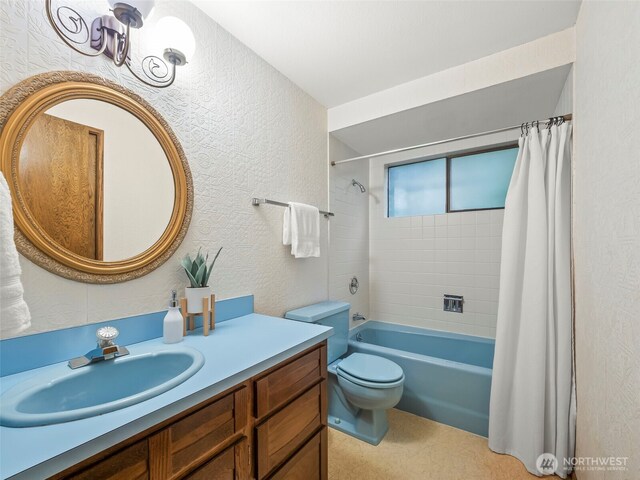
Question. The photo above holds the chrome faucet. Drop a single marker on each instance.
(358, 316)
(105, 350)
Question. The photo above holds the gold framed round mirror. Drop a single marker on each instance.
(101, 188)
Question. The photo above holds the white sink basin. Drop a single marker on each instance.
(61, 395)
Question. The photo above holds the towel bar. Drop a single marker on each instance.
(258, 201)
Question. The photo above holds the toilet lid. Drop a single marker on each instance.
(371, 368)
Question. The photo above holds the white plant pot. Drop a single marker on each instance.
(194, 298)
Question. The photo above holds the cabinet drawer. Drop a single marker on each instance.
(284, 432)
(231, 464)
(309, 463)
(128, 464)
(280, 386)
(196, 437)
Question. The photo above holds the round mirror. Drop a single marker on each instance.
(100, 187)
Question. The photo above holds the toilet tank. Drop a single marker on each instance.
(331, 314)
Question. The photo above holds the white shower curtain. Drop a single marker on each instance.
(532, 391)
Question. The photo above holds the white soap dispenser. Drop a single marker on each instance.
(173, 322)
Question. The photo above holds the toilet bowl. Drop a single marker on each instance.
(370, 382)
(361, 387)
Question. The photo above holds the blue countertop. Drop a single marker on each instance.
(235, 351)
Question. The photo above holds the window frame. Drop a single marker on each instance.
(447, 158)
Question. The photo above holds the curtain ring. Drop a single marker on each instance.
(549, 123)
(522, 129)
(538, 125)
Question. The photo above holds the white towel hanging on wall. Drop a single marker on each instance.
(301, 230)
(14, 312)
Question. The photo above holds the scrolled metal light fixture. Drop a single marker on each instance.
(110, 35)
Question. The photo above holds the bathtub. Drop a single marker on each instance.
(447, 375)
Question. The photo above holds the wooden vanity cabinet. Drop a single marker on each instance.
(131, 462)
(272, 426)
(290, 409)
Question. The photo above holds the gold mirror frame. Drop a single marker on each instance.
(19, 107)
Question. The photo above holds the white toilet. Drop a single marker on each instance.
(361, 387)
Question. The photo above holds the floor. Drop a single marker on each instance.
(419, 449)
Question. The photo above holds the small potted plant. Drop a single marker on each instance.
(198, 273)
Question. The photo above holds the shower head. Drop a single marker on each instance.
(354, 182)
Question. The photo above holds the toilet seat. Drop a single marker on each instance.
(370, 371)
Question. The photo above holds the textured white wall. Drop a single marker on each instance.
(607, 234)
(349, 228)
(246, 130)
(416, 260)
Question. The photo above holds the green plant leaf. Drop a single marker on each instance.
(208, 274)
(216, 257)
(197, 269)
(187, 265)
(200, 275)
(195, 265)
(192, 280)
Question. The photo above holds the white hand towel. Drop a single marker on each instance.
(301, 230)
(286, 227)
(14, 312)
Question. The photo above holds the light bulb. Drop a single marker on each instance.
(173, 33)
(143, 6)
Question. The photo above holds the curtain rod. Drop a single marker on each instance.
(566, 118)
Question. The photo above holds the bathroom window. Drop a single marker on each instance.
(418, 188)
(456, 183)
(480, 181)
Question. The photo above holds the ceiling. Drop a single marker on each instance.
(529, 98)
(339, 51)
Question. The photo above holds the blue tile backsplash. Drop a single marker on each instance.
(34, 351)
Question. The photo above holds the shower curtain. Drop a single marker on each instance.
(532, 391)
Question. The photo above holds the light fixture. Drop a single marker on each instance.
(173, 31)
(110, 35)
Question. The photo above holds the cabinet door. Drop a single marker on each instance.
(197, 437)
(128, 464)
(231, 464)
(283, 433)
(285, 383)
(309, 463)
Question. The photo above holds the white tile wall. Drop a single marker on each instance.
(416, 260)
(246, 130)
(349, 229)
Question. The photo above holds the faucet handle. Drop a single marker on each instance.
(106, 336)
